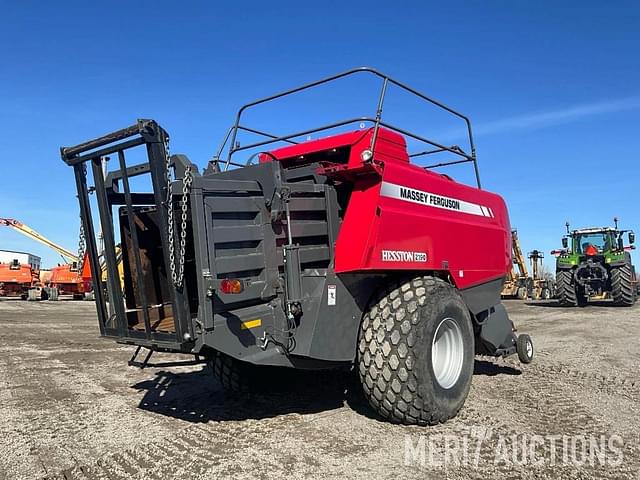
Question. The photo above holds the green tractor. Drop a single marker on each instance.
(596, 265)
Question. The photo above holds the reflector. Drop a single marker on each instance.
(232, 285)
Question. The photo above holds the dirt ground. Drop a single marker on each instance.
(70, 407)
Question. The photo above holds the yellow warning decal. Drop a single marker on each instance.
(251, 324)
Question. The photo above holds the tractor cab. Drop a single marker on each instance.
(592, 242)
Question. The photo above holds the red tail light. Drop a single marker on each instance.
(231, 285)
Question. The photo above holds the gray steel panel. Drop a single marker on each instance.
(303, 204)
(310, 228)
(235, 233)
(482, 297)
(253, 261)
(235, 204)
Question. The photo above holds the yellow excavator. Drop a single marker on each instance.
(517, 284)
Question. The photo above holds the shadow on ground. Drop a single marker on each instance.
(556, 304)
(490, 369)
(196, 396)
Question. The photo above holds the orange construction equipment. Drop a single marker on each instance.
(16, 279)
(71, 278)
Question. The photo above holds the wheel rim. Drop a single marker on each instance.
(529, 349)
(447, 353)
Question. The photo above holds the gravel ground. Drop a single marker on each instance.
(71, 408)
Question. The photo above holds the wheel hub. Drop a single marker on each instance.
(447, 353)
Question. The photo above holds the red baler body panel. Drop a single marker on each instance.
(403, 217)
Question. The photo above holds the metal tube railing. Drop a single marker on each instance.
(377, 121)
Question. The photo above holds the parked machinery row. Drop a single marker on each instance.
(593, 264)
(21, 280)
(519, 283)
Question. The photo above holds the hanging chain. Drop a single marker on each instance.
(177, 273)
(186, 186)
(82, 245)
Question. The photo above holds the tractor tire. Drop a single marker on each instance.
(522, 293)
(546, 294)
(622, 288)
(416, 352)
(566, 290)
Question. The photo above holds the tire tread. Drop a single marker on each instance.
(567, 294)
(385, 359)
(622, 285)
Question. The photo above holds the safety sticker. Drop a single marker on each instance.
(331, 294)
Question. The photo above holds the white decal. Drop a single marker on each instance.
(403, 256)
(331, 294)
(433, 200)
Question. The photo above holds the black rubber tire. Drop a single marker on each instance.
(240, 377)
(521, 348)
(394, 352)
(546, 294)
(566, 290)
(622, 285)
(234, 376)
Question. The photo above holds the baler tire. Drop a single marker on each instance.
(395, 362)
(622, 285)
(234, 376)
(566, 291)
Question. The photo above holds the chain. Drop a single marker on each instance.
(186, 185)
(82, 245)
(177, 273)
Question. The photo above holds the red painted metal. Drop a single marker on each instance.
(441, 225)
(70, 281)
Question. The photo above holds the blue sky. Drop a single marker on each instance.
(553, 89)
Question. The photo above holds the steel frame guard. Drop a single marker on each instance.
(151, 135)
(377, 121)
